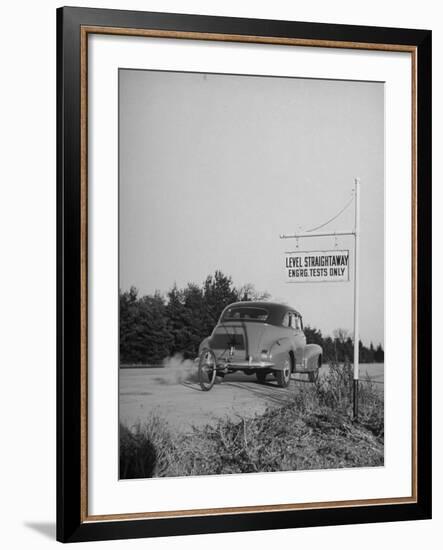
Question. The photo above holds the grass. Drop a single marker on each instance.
(312, 431)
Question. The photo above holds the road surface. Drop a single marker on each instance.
(182, 403)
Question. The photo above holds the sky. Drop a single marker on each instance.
(213, 168)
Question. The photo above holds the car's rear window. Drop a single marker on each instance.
(245, 313)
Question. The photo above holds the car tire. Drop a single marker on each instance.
(313, 374)
(207, 369)
(284, 375)
(261, 376)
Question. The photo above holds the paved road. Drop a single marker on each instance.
(182, 403)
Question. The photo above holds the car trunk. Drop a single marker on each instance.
(243, 338)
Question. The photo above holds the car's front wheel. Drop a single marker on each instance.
(313, 374)
(284, 375)
(261, 376)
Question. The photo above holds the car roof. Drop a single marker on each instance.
(276, 311)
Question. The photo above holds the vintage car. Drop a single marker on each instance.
(261, 338)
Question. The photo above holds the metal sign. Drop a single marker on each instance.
(318, 266)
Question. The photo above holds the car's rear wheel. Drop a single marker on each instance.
(261, 376)
(207, 369)
(284, 375)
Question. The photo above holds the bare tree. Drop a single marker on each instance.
(248, 293)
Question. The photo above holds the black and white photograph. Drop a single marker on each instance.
(251, 274)
(217, 275)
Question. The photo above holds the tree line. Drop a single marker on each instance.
(340, 347)
(153, 327)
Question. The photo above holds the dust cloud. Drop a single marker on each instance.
(177, 370)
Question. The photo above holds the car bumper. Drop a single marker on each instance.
(246, 364)
(235, 364)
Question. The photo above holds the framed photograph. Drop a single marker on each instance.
(244, 274)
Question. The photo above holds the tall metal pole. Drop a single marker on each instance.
(356, 234)
(356, 293)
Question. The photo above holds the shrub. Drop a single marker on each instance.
(138, 455)
(145, 450)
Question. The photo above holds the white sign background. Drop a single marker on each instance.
(108, 495)
(298, 261)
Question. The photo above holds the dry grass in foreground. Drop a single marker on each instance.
(313, 431)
